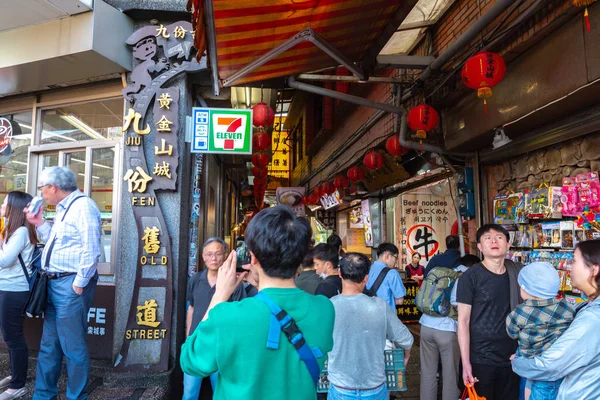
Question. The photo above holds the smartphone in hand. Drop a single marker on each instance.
(35, 205)
(243, 257)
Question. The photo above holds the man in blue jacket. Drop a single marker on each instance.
(448, 259)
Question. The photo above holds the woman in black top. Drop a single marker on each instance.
(414, 270)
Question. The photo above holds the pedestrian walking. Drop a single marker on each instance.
(356, 367)
(70, 259)
(200, 291)
(17, 246)
(308, 280)
(250, 342)
(326, 259)
(448, 259)
(486, 294)
(574, 356)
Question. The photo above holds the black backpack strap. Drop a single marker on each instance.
(515, 290)
(23, 266)
(379, 280)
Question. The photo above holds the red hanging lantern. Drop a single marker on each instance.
(328, 188)
(262, 115)
(260, 160)
(356, 174)
(340, 182)
(353, 189)
(373, 161)
(261, 141)
(259, 172)
(421, 119)
(310, 199)
(394, 148)
(319, 192)
(260, 182)
(482, 72)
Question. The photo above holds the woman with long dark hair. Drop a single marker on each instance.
(575, 356)
(18, 238)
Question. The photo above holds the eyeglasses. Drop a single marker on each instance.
(213, 255)
(43, 186)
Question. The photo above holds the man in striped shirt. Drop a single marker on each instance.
(70, 257)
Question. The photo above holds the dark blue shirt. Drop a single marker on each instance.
(448, 259)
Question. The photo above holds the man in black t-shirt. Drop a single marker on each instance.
(484, 302)
(326, 258)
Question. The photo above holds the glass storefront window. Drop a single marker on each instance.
(96, 120)
(14, 158)
(102, 193)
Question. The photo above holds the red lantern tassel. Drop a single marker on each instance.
(587, 19)
(485, 106)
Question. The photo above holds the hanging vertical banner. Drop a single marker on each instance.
(166, 122)
(422, 225)
(366, 215)
(164, 53)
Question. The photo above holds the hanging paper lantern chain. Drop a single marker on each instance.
(586, 16)
(373, 161)
(482, 72)
(261, 141)
(260, 160)
(356, 174)
(340, 182)
(394, 148)
(262, 115)
(421, 119)
(328, 188)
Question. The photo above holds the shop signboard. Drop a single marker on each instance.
(221, 130)
(280, 162)
(408, 311)
(330, 200)
(366, 214)
(292, 197)
(7, 131)
(100, 331)
(164, 53)
(356, 220)
(422, 223)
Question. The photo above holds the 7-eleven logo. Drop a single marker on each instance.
(229, 131)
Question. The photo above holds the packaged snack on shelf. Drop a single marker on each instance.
(509, 209)
(588, 189)
(544, 202)
(566, 234)
(574, 300)
(568, 286)
(570, 198)
(551, 231)
(579, 236)
(562, 275)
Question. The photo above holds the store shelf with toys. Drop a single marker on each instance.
(546, 223)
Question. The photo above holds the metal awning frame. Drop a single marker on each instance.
(359, 70)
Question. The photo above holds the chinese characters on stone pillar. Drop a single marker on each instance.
(166, 117)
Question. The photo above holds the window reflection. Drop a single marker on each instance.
(97, 120)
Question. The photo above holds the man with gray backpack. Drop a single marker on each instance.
(436, 299)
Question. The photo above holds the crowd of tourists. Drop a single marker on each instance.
(506, 335)
(264, 329)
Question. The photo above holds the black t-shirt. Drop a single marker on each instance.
(331, 286)
(489, 297)
(200, 294)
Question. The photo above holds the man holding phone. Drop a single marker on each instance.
(200, 291)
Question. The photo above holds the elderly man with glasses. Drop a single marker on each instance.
(71, 258)
(200, 291)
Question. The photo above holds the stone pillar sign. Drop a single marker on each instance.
(164, 52)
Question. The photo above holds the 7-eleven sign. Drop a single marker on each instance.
(222, 130)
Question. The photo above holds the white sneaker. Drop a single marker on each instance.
(4, 382)
(19, 393)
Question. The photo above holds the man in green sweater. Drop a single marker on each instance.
(232, 338)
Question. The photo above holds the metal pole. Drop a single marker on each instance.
(345, 97)
(461, 239)
(338, 78)
(211, 43)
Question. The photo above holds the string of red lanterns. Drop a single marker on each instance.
(373, 161)
(394, 148)
(356, 174)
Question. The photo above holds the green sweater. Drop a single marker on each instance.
(233, 341)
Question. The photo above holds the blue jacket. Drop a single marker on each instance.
(448, 259)
(575, 356)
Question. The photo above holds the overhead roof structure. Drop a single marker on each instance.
(257, 40)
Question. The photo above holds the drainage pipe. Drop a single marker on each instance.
(464, 40)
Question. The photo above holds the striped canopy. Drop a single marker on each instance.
(247, 29)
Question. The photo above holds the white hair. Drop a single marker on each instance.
(61, 177)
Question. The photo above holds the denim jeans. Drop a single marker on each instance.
(65, 325)
(193, 384)
(544, 390)
(336, 393)
(11, 324)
